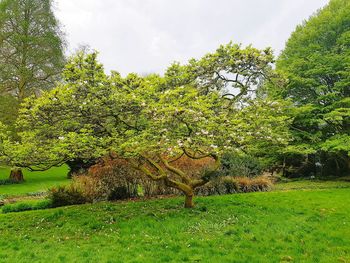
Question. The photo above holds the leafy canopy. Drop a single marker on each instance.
(152, 120)
(31, 47)
(314, 69)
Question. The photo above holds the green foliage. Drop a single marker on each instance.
(316, 58)
(8, 111)
(148, 120)
(61, 125)
(314, 75)
(240, 165)
(267, 227)
(234, 71)
(31, 47)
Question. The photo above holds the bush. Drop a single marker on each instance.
(66, 195)
(19, 207)
(240, 165)
(110, 180)
(231, 185)
(117, 180)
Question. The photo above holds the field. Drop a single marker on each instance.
(281, 226)
(35, 182)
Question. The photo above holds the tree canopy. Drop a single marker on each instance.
(31, 47)
(314, 67)
(152, 121)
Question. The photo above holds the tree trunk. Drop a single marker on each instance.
(16, 175)
(79, 166)
(189, 201)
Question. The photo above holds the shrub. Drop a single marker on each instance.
(19, 207)
(110, 180)
(116, 180)
(66, 195)
(240, 165)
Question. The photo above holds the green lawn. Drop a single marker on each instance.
(313, 184)
(282, 226)
(34, 181)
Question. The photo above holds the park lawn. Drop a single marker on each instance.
(302, 184)
(34, 181)
(281, 226)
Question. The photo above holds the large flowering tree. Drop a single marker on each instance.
(199, 110)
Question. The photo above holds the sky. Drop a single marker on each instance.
(146, 36)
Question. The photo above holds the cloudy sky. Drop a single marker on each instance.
(145, 36)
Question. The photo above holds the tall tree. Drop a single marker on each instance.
(31, 47)
(315, 66)
(31, 54)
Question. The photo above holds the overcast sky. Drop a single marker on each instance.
(145, 36)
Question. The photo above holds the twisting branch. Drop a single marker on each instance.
(146, 171)
(177, 158)
(176, 171)
(193, 156)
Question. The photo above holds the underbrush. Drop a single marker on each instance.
(233, 185)
(89, 189)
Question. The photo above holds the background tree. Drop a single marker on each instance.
(315, 75)
(31, 54)
(31, 47)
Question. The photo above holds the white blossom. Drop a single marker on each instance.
(205, 132)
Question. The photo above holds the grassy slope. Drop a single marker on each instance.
(34, 181)
(299, 226)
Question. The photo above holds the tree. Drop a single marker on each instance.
(314, 69)
(31, 54)
(31, 47)
(147, 121)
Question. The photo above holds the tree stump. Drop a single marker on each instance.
(16, 175)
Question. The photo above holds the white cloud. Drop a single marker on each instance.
(147, 35)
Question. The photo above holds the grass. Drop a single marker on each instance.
(34, 181)
(312, 184)
(280, 226)
(26, 206)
